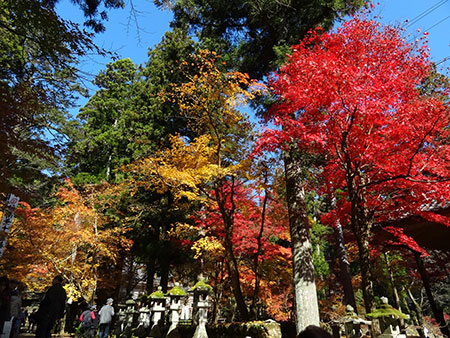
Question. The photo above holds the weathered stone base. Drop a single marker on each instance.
(387, 335)
(200, 332)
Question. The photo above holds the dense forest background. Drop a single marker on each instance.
(163, 175)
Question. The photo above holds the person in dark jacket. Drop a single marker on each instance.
(5, 301)
(51, 308)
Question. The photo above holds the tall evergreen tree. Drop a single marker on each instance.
(255, 34)
(128, 117)
(38, 81)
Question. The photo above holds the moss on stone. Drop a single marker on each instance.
(255, 329)
(202, 286)
(130, 302)
(386, 310)
(176, 291)
(157, 294)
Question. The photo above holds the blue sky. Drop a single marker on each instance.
(435, 20)
(124, 37)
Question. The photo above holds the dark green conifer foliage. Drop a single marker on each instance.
(127, 117)
(38, 80)
(256, 34)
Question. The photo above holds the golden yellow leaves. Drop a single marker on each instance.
(211, 99)
(209, 248)
(211, 102)
(184, 169)
(183, 231)
(194, 170)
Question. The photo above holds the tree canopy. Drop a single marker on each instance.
(163, 178)
(38, 81)
(256, 34)
(382, 139)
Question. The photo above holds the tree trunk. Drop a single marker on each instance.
(218, 290)
(233, 271)
(130, 274)
(361, 217)
(165, 267)
(120, 280)
(418, 313)
(392, 281)
(361, 226)
(231, 262)
(346, 278)
(214, 313)
(150, 275)
(437, 311)
(253, 307)
(108, 164)
(306, 307)
(366, 274)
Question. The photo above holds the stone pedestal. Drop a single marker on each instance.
(392, 332)
(201, 291)
(157, 312)
(144, 317)
(158, 307)
(121, 319)
(202, 306)
(175, 295)
(129, 312)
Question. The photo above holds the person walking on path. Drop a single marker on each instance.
(106, 313)
(88, 322)
(51, 308)
(16, 308)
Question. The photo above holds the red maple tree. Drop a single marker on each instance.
(355, 98)
(259, 224)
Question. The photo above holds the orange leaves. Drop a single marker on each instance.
(69, 239)
(211, 99)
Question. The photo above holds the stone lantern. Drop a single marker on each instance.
(121, 318)
(175, 294)
(126, 318)
(389, 319)
(201, 292)
(129, 312)
(352, 323)
(144, 317)
(158, 307)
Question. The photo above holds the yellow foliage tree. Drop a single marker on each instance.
(68, 239)
(207, 168)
